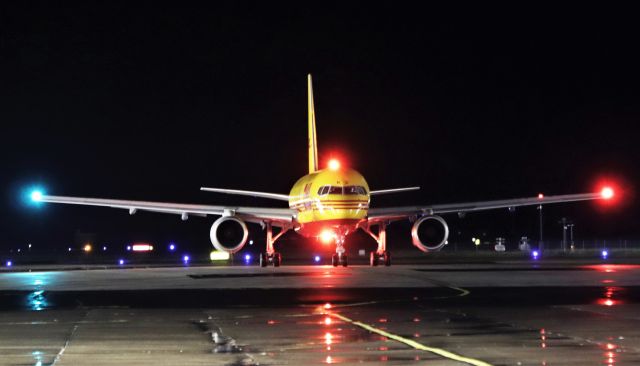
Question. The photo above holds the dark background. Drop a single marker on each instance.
(154, 101)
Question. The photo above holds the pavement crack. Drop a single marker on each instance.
(69, 338)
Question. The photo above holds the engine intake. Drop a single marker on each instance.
(229, 234)
(430, 233)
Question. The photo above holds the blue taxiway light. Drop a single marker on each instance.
(9, 263)
(247, 258)
(121, 262)
(185, 259)
(605, 254)
(535, 254)
(316, 258)
(172, 247)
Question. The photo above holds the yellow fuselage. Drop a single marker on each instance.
(330, 199)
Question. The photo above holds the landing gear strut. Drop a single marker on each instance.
(340, 258)
(271, 256)
(381, 255)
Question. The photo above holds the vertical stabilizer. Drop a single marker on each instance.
(313, 145)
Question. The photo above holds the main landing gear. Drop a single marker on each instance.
(381, 256)
(271, 256)
(275, 259)
(376, 259)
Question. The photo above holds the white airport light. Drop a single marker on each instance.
(128, 247)
(142, 247)
(218, 255)
(104, 249)
(607, 193)
(87, 248)
(251, 242)
(69, 249)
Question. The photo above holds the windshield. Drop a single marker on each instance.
(346, 190)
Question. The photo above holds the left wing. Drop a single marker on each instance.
(397, 213)
(278, 216)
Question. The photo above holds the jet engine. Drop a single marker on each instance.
(430, 233)
(229, 234)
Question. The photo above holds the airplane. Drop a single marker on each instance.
(327, 204)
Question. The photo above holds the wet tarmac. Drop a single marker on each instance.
(518, 313)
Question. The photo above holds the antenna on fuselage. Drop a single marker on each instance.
(313, 144)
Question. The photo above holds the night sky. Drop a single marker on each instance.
(153, 102)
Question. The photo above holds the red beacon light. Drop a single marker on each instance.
(540, 196)
(607, 193)
(334, 164)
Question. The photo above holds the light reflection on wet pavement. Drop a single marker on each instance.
(534, 325)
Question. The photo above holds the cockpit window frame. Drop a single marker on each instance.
(342, 190)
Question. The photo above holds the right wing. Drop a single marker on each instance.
(397, 213)
(278, 216)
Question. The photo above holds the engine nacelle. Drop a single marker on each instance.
(229, 234)
(430, 233)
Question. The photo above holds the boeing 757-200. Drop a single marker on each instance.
(327, 204)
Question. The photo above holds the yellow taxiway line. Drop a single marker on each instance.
(411, 343)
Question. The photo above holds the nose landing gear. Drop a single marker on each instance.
(340, 258)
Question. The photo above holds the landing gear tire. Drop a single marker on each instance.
(376, 259)
(373, 259)
(337, 260)
(264, 261)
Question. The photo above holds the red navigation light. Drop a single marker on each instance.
(540, 196)
(607, 193)
(326, 236)
(334, 164)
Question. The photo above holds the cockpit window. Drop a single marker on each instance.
(323, 190)
(346, 190)
(355, 190)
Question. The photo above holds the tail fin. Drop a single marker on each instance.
(313, 145)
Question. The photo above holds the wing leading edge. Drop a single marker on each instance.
(397, 213)
(278, 216)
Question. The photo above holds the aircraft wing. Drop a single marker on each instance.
(278, 216)
(397, 213)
